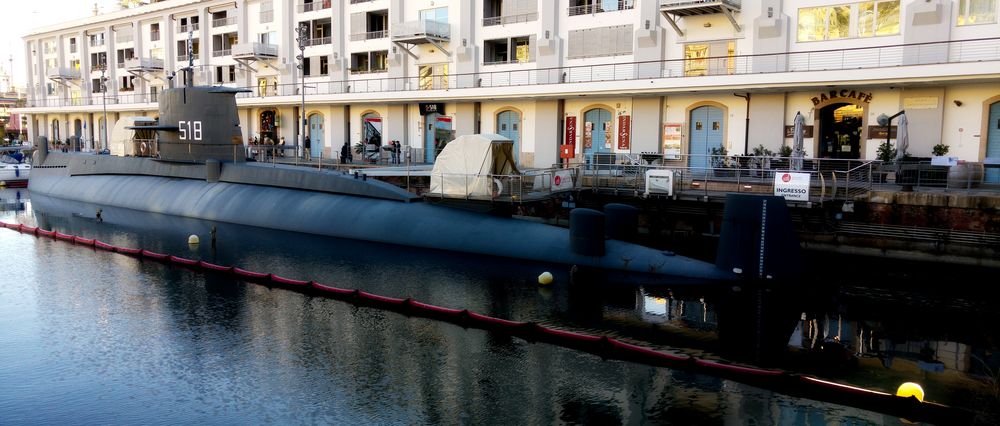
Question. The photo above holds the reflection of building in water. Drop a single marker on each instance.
(695, 314)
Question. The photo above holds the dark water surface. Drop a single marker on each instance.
(90, 337)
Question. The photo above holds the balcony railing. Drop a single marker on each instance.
(371, 35)
(97, 42)
(507, 62)
(694, 3)
(266, 16)
(184, 57)
(973, 51)
(510, 19)
(318, 41)
(72, 48)
(98, 66)
(255, 50)
(123, 37)
(357, 71)
(221, 22)
(186, 28)
(120, 64)
(598, 7)
(144, 64)
(221, 52)
(360, 1)
(64, 73)
(424, 28)
(316, 5)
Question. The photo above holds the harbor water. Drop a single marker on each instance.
(94, 337)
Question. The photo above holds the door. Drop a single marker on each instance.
(993, 143)
(598, 131)
(315, 135)
(509, 126)
(705, 134)
(437, 134)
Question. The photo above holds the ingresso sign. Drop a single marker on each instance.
(792, 186)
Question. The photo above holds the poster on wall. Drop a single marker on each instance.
(570, 131)
(807, 131)
(609, 134)
(624, 132)
(672, 141)
(588, 135)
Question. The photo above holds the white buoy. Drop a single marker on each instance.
(545, 278)
(193, 239)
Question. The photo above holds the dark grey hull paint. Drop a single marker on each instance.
(380, 220)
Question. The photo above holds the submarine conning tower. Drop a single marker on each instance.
(199, 123)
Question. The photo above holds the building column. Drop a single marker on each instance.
(112, 74)
(395, 126)
(647, 117)
(336, 131)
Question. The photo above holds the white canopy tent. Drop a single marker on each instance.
(467, 165)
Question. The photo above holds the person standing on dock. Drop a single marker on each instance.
(345, 153)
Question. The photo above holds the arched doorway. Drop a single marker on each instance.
(268, 126)
(598, 131)
(992, 174)
(509, 126)
(371, 135)
(705, 133)
(315, 135)
(841, 131)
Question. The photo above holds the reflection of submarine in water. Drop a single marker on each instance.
(201, 173)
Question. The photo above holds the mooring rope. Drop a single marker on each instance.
(603, 346)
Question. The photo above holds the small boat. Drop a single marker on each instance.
(13, 168)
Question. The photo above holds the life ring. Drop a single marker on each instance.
(499, 187)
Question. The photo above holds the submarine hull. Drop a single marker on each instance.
(379, 220)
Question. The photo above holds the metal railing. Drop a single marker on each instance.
(358, 71)
(221, 22)
(255, 49)
(509, 19)
(317, 41)
(187, 27)
(598, 7)
(360, 1)
(370, 35)
(221, 52)
(422, 28)
(123, 37)
(144, 64)
(184, 57)
(959, 51)
(716, 175)
(532, 184)
(266, 16)
(96, 42)
(316, 5)
(669, 3)
(68, 73)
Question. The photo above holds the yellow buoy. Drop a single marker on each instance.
(193, 239)
(545, 278)
(909, 389)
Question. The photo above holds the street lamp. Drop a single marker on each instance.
(302, 39)
(104, 105)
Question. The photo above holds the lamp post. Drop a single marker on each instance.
(104, 105)
(303, 34)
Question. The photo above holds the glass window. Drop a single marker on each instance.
(695, 59)
(971, 12)
(887, 19)
(868, 19)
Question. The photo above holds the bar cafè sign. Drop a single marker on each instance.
(853, 96)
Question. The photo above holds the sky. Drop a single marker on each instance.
(21, 16)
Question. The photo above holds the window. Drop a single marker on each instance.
(508, 50)
(127, 84)
(225, 74)
(269, 37)
(266, 11)
(439, 15)
(365, 62)
(154, 32)
(501, 12)
(865, 19)
(709, 58)
(95, 85)
(156, 53)
(307, 66)
(72, 45)
(972, 12)
(433, 76)
(602, 41)
(74, 64)
(324, 65)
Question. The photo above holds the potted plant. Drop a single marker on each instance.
(940, 150)
(760, 162)
(886, 153)
(722, 164)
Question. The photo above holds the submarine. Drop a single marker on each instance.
(200, 171)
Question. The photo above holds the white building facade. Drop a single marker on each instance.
(578, 76)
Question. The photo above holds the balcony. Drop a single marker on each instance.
(317, 41)
(222, 22)
(124, 37)
(184, 57)
(371, 35)
(97, 42)
(315, 5)
(247, 53)
(220, 53)
(510, 19)
(143, 65)
(187, 28)
(674, 9)
(599, 7)
(421, 32)
(63, 74)
(360, 1)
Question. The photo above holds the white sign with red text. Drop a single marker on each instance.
(792, 186)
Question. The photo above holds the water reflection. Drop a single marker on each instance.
(223, 349)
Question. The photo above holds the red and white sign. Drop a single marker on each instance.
(624, 132)
(792, 186)
(563, 180)
(570, 130)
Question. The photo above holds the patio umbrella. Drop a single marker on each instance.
(797, 136)
(902, 138)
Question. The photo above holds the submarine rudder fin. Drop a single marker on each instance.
(758, 240)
